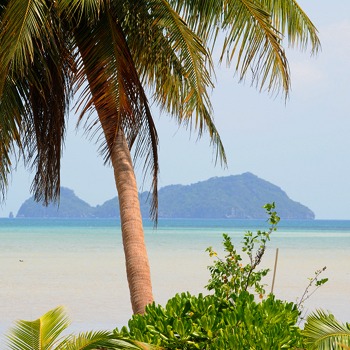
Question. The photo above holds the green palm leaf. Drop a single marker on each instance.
(45, 333)
(254, 32)
(22, 21)
(40, 334)
(34, 91)
(292, 22)
(322, 331)
(96, 340)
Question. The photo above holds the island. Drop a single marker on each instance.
(235, 197)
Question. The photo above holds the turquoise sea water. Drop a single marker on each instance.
(79, 263)
(195, 233)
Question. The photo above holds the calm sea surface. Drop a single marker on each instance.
(177, 233)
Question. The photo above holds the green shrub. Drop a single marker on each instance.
(208, 322)
(232, 317)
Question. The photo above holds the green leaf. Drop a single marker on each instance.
(322, 331)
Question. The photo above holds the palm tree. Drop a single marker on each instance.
(107, 52)
(323, 331)
(45, 333)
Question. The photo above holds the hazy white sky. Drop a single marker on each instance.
(303, 146)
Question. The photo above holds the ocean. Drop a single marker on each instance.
(79, 263)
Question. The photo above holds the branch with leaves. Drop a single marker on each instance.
(229, 276)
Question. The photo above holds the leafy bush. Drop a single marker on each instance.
(208, 322)
(230, 318)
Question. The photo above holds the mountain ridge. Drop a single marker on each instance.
(235, 196)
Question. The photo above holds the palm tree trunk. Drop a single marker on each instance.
(136, 258)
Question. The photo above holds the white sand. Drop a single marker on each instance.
(94, 290)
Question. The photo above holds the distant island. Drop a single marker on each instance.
(235, 197)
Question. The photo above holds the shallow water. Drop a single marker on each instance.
(80, 264)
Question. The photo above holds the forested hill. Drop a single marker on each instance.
(237, 196)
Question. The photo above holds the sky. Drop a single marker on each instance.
(301, 145)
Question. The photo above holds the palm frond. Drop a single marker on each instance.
(254, 33)
(5, 163)
(45, 334)
(78, 9)
(97, 340)
(322, 331)
(20, 23)
(49, 94)
(40, 334)
(35, 58)
(11, 111)
(173, 63)
(293, 23)
(203, 17)
(255, 44)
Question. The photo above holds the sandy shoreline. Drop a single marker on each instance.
(93, 288)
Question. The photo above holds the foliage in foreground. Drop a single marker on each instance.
(45, 333)
(209, 322)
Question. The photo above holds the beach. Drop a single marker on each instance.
(85, 272)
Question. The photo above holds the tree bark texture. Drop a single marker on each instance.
(136, 257)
